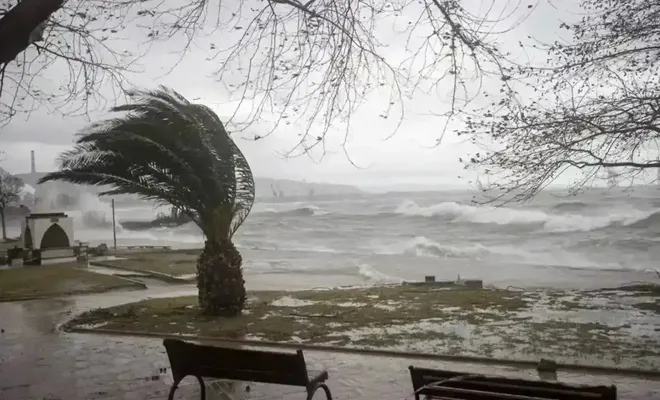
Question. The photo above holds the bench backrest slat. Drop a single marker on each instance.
(471, 394)
(542, 389)
(527, 390)
(236, 364)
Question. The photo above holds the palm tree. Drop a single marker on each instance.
(164, 148)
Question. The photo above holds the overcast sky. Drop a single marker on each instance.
(409, 157)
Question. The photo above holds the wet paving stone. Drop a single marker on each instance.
(39, 362)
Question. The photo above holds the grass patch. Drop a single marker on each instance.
(314, 316)
(44, 281)
(494, 323)
(171, 262)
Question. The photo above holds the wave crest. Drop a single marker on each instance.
(649, 221)
(423, 247)
(570, 206)
(456, 212)
(304, 211)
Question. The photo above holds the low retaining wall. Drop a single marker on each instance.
(154, 274)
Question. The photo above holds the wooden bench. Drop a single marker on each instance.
(439, 384)
(188, 359)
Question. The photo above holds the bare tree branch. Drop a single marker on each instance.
(594, 111)
(312, 64)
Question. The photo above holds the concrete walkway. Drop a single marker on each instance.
(39, 362)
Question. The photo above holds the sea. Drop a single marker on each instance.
(600, 238)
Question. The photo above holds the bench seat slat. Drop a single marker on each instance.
(472, 394)
(447, 384)
(516, 388)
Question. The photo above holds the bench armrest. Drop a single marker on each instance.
(320, 377)
(311, 390)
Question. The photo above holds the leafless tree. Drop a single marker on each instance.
(594, 111)
(310, 62)
(10, 190)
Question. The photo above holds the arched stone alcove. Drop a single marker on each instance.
(55, 237)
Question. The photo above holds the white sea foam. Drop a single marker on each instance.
(291, 209)
(288, 301)
(373, 276)
(421, 246)
(456, 212)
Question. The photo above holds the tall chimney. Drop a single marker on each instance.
(33, 167)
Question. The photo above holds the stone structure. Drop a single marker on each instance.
(47, 235)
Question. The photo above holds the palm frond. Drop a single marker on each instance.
(163, 148)
(245, 189)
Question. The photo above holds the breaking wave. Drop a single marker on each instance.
(456, 212)
(650, 221)
(373, 276)
(570, 206)
(304, 211)
(421, 246)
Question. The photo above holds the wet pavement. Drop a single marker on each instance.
(37, 361)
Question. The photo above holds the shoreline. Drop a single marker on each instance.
(310, 268)
(178, 266)
(326, 272)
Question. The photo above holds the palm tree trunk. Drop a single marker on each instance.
(220, 279)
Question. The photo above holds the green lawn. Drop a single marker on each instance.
(29, 282)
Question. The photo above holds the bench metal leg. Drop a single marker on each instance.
(202, 388)
(175, 385)
(326, 389)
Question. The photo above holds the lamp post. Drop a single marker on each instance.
(114, 228)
